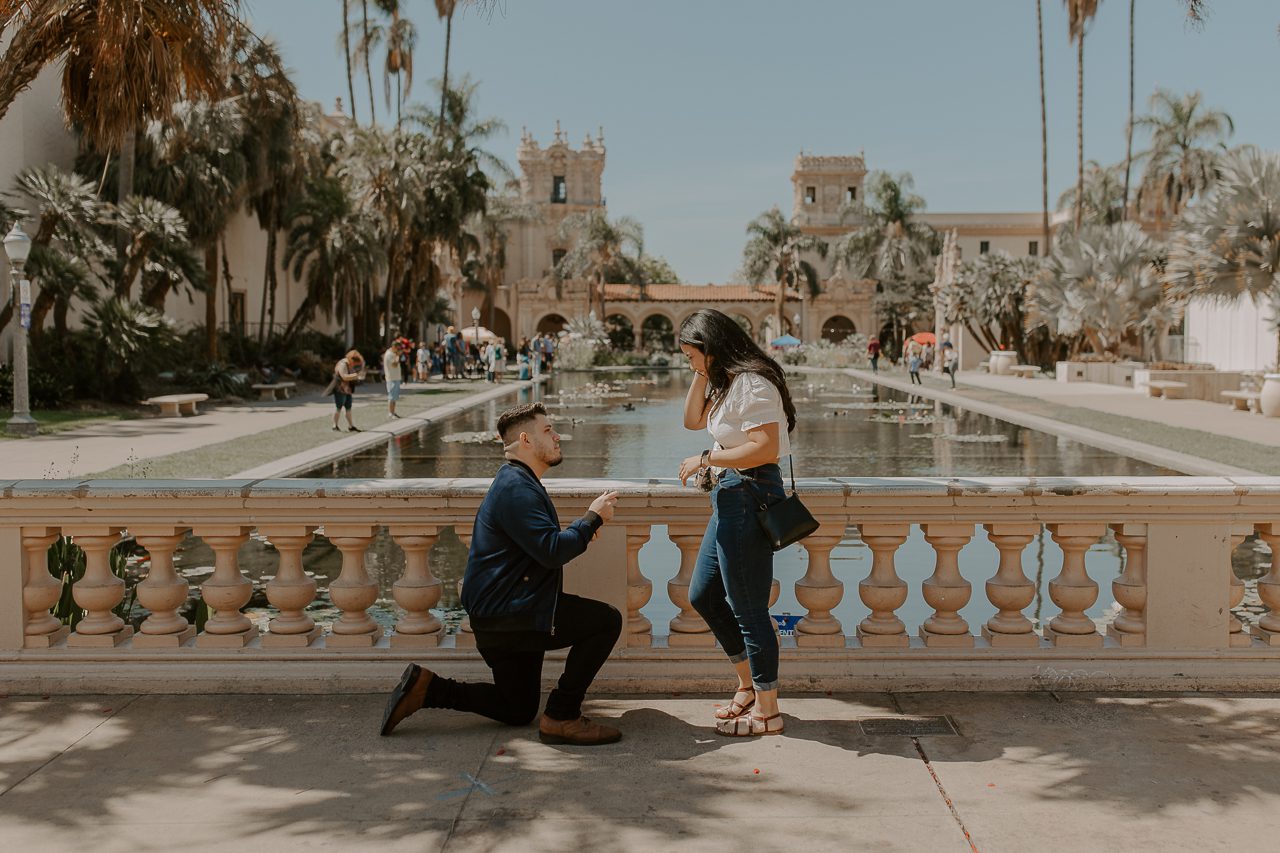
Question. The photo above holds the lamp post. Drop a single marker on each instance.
(17, 246)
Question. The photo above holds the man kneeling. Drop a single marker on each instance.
(512, 591)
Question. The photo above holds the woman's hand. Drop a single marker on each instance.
(689, 467)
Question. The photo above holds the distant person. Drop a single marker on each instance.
(497, 361)
(423, 361)
(914, 356)
(549, 350)
(873, 352)
(535, 355)
(392, 375)
(522, 361)
(513, 591)
(950, 361)
(453, 348)
(739, 395)
(346, 374)
(926, 356)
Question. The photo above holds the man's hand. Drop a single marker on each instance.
(603, 505)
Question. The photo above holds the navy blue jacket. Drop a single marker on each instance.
(515, 566)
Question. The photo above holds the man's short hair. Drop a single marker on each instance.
(510, 422)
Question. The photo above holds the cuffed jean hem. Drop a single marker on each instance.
(772, 685)
(739, 657)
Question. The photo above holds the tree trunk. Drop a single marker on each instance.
(393, 262)
(61, 307)
(211, 300)
(124, 169)
(444, 84)
(300, 318)
(1044, 138)
(1128, 142)
(1079, 127)
(346, 54)
(368, 74)
(273, 279)
(39, 309)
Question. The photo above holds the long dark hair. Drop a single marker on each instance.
(731, 352)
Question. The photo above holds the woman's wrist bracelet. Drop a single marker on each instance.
(706, 459)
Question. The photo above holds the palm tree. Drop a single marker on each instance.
(1102, 283)
(333, 247)
(365, 46)
(1128, 134)
(1227, 245)
(776, 249)
(1044, 134)
(401, 37)
(596, 244)
(125, 63)
(461, 131)
(1079, 12)
(444, 11)
(1103, 202)
(346, 56)
(1187, 142)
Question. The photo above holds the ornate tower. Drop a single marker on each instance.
(558, 179)
(821, 187)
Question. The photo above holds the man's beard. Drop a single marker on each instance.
(552, 461)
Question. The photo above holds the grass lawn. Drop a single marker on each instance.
(60, 420)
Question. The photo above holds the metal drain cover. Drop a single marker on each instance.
(908, 726)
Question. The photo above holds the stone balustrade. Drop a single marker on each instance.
(1173, 628)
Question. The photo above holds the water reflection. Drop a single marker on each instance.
(843, 430)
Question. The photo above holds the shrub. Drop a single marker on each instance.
(45, 390)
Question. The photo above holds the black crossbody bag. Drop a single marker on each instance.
(789, 520)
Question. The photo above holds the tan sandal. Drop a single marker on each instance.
(750, 726)
(735, 708)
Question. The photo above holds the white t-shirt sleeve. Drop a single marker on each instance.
(758, 402)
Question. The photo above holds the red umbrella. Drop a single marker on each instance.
(923, 338)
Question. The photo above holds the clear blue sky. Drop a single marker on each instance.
(705, 103)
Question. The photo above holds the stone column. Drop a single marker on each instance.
(40, 590)
(1010, 590)
(639, 588)
(98, 591)
(819, 592)
(1073, 590)
(465, 638)
(354, 592)
(882, 590)
(945, 590)
(1129, 628)
(227, 590)
(687, 628)
(1238, 638)
(418, 590)
(1268, 627)
(290, 591)
(163, 592)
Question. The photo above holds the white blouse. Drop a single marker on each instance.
(751, 402)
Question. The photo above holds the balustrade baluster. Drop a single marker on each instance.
(98, 590)
(227, 590)
(819, 592)
(1073, 590)
(1129, 628)
(354, 592)
(290, 591)
(1010, 590)
(1268, 627)
(639, 588)
(418, 590)
(687, 628)
(882, 591)
(40, 590)
(946, 591)
(465, 638)
(162, 592)
(1238, 637)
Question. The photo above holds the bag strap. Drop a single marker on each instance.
(791, 465)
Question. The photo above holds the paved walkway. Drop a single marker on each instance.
(135, 448)
(1043, 772)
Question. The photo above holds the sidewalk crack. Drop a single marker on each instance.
(70, 746)
(942, 791)
(453, 825)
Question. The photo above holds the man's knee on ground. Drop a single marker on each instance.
(522, 713)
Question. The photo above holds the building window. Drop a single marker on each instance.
(1033, 248)
(850, 195)
(559, 195)
(557, 255)
(810, 195)
(236, 313)
(984, 247)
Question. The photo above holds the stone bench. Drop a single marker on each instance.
(1241, 399)
(983, 367)
(1167, 389)
(177, 405)
(274, 390)
(1024, 371)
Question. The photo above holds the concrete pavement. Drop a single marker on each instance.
(289, 773)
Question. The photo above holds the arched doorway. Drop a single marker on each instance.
(552, 324)
(501, 326)
(621, 331)
(769, 330)
(837, 328)
(658, 333)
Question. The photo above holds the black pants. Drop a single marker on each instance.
(587, 628)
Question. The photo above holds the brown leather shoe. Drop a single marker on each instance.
(408, 697)
(579, 732)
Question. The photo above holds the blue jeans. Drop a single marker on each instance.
(734, 573)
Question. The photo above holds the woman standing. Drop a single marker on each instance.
(740, 396)
(346, 373)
